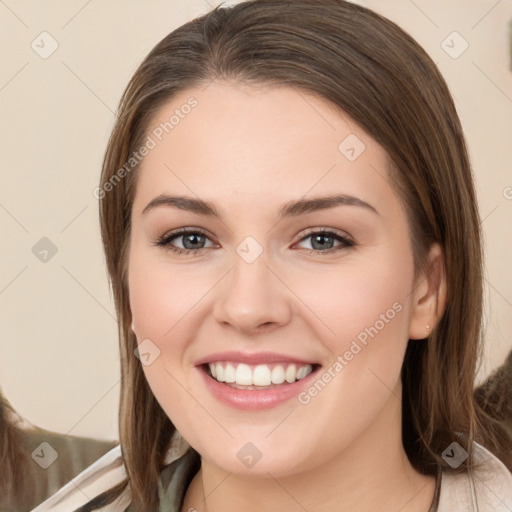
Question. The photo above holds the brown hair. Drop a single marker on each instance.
(12, 455)
(368, 67)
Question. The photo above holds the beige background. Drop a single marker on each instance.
(58, 338)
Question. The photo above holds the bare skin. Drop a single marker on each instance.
(248, 150)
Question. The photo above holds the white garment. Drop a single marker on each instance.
(487, 489)
(490, 489)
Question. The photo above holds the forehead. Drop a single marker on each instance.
(258, 143)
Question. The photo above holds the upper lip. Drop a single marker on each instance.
(248, 358)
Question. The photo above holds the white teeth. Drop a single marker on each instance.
(308, 370)
(243, 375)
(229, 373)
(219, 370)
(278, 375)
(301, 372)
(291, 373)
(261, 375)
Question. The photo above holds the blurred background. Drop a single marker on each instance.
(63, 68)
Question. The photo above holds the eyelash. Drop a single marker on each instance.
(165, 241)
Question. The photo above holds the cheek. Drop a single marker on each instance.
(162, 305)
(368, 308)
(365, 318)
(163, 297)
(359, 299)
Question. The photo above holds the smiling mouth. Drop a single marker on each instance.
(258, 377)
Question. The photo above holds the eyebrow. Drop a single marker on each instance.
(290, 209)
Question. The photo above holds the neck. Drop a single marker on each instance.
(373, 473)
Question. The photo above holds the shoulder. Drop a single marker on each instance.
(486, 488)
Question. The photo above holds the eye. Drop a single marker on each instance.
(323, 240)
(192, 241)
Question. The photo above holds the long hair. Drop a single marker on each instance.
(12, 455)
(372, 70)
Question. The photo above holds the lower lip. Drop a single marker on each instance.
(255, 400)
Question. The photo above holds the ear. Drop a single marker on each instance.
(132, 323)
(429, 296)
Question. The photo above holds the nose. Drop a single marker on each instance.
(252, 298)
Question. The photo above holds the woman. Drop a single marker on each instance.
(292, 235)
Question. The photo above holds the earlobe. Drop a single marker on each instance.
(428, 296)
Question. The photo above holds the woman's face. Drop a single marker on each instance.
(293, 281)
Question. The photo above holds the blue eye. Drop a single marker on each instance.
(193, 241)
(324, 240)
